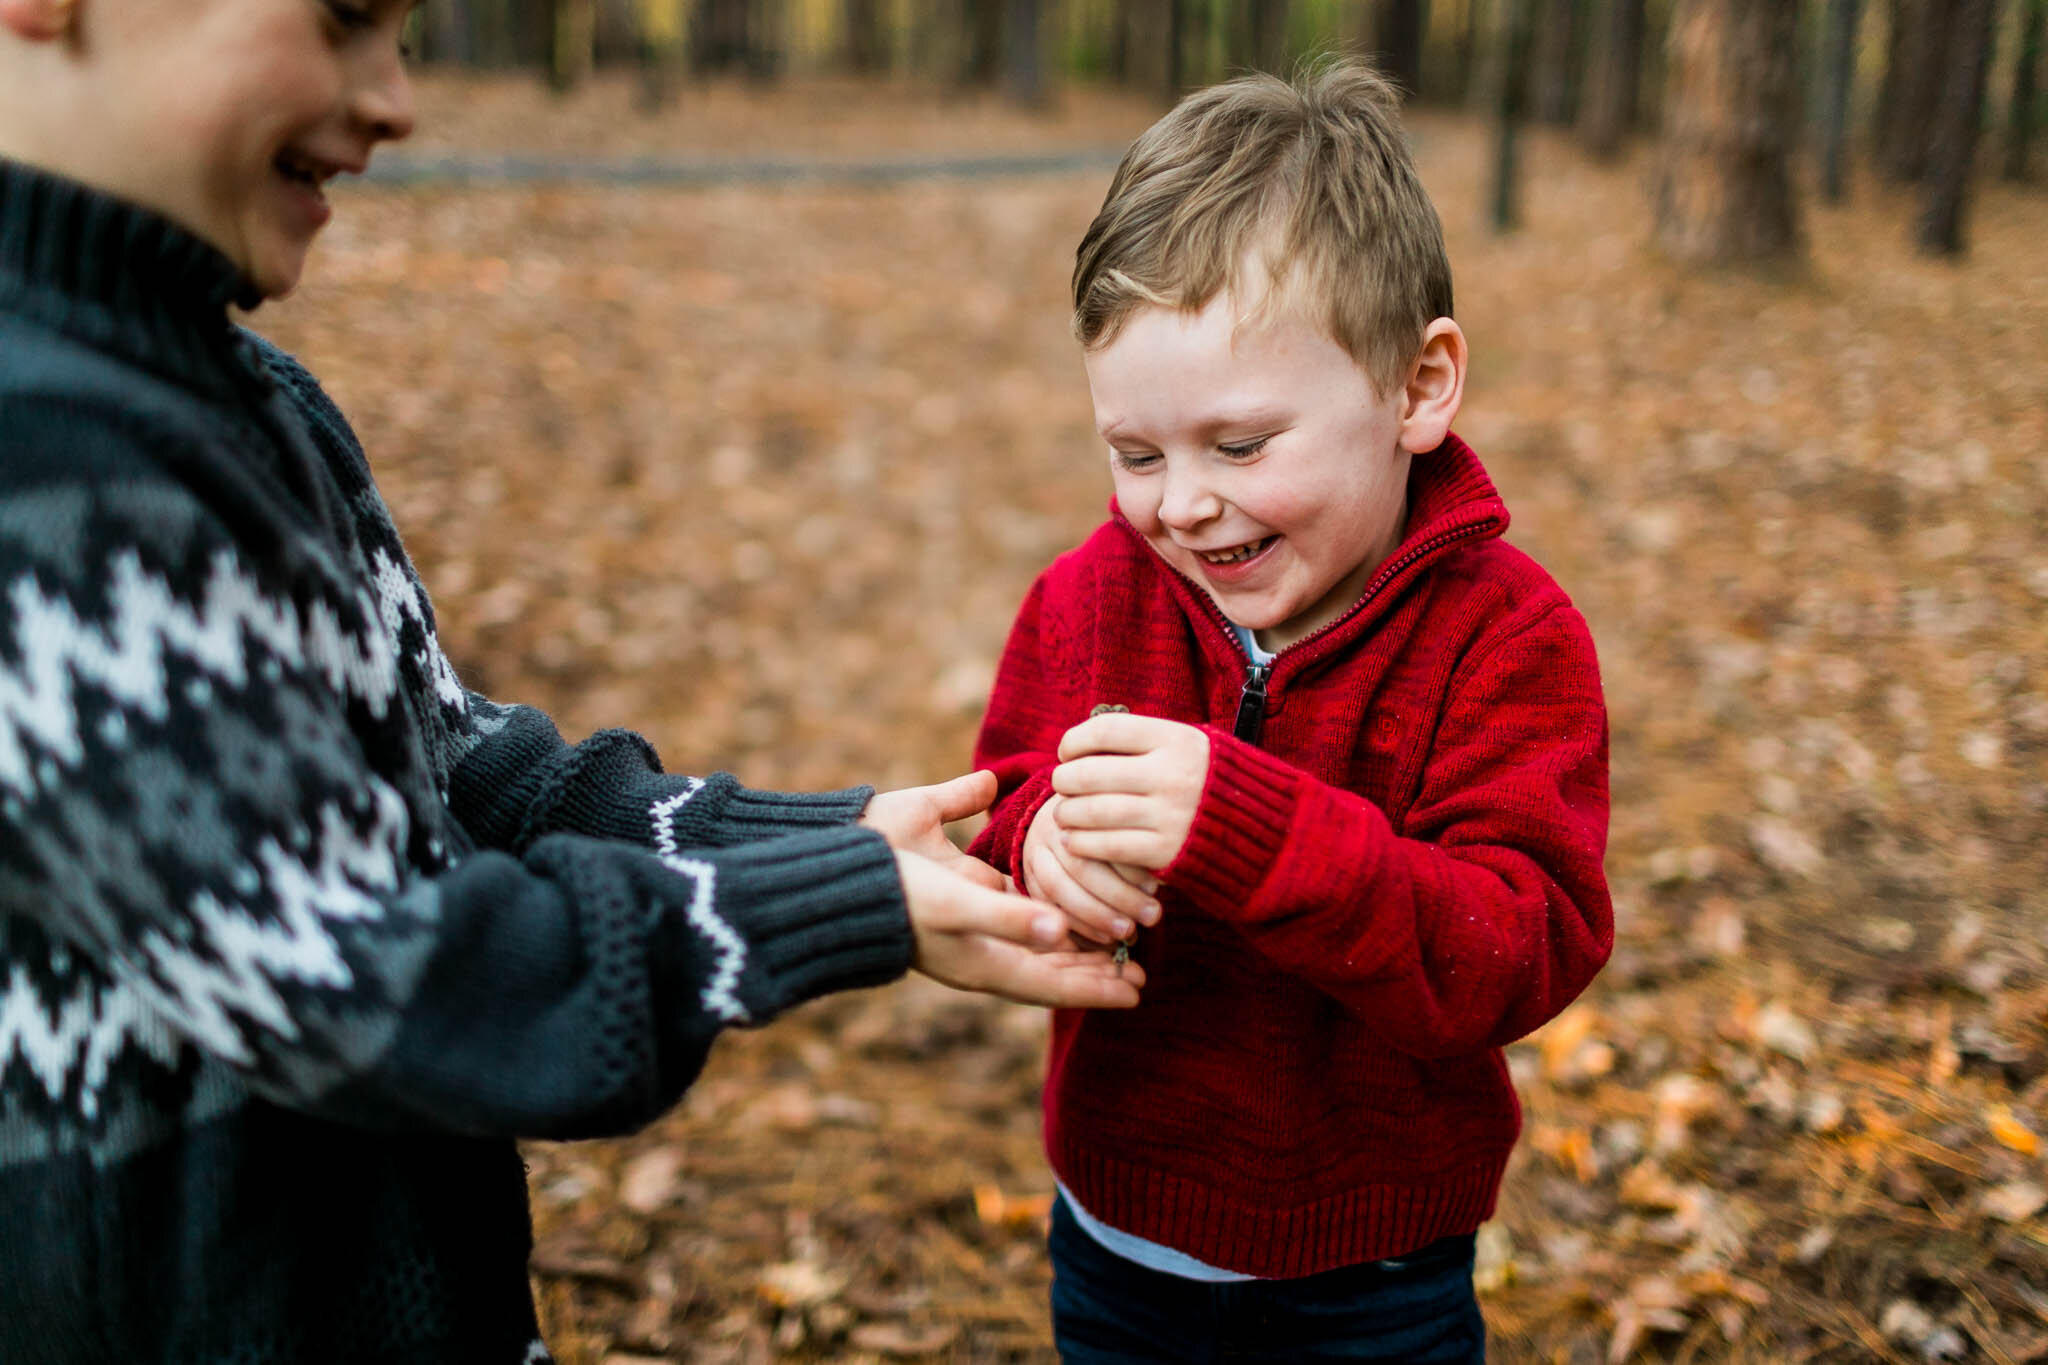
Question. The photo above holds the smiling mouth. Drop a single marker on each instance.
(301, 171)
(1238, 555)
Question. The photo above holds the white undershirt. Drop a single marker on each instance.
(1149, 1254)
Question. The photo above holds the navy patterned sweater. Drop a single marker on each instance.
(296, 934)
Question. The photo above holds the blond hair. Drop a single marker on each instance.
(1310, 178)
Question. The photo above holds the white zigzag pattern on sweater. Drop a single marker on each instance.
(126, 658)
(249, 955)
(200, 995)
(718, 994)
(126, 655)
(398, 600)
(85, 1032)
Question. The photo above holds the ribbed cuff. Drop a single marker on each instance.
(764, 814)
(820, 912)
(1001, 842)
(1240, 824)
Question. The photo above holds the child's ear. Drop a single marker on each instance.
(38, 20)
(1436, 385)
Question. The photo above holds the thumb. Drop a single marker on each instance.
(968, 794)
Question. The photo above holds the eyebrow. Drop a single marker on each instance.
(1212, 424)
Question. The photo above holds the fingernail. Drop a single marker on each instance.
(1046, 927)
(1120, 926)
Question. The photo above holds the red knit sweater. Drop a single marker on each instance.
(1401, 875)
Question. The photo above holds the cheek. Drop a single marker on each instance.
(1137, 497)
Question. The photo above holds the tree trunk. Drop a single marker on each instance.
(1838, 80)
(1952, 149)
(573, 51)
(866, 52)
(1024, 64)
(719, 35)
(1607, 114)
(1176, 48)
(1394, 36)
(1509, 79)
(1555, 59)
(1261, 39)
(1465, 52)
(1142, 55)
(1724, 186)
(984, 42)
(1916, 56)
(2019, 125)
(765, 39)
(664, 29)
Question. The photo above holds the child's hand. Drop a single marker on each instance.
(977, 939)
(1101, 900)
(913, 819)
(1129, 786)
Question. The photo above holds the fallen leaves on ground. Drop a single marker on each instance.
(764, 472)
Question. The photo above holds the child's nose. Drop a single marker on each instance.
(1186, 501)
(383, 101)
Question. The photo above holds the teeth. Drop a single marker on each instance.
(1240, 554)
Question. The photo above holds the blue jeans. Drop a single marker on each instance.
(1418, 1310)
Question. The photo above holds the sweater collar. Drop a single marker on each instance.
(1451, 501)
(120, 275)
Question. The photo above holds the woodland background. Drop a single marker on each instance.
(714, 358)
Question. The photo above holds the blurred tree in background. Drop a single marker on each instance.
(1718, 82)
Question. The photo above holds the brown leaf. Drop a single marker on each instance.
(902, 1339)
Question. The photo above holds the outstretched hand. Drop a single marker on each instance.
(974, 938)
(914, 819)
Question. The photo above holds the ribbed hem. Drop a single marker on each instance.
(1369, 1223)
(1240, 824)
(821, 912)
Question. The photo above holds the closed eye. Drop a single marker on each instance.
(1247, 450)
(350, 16)
(1133, 461)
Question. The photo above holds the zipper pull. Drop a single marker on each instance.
(1251, 703)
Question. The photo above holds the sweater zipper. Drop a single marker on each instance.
(1251, 703)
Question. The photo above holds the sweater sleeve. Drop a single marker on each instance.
(1489, 911)
(1029, 709)
(520, 780)
(206, 794)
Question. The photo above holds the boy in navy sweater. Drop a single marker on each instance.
(296, 934)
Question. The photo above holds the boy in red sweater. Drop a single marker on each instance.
(1353, 819)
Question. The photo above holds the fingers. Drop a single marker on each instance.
(1138, 847)
(1111, 810)
(1140, 877)
(968, 794)
(1098, 773)
(942, 902)
(978, 872)
(1062, 980)
(1101, 905)
(1057, 879)
(1117, 732)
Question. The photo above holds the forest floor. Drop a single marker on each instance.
(763, 471)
